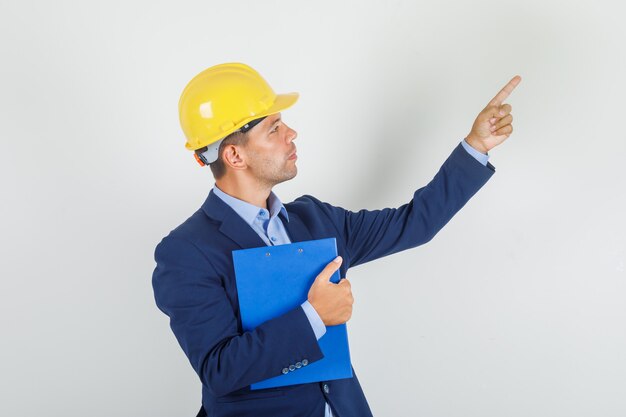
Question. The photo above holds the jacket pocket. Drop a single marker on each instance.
(250, 395)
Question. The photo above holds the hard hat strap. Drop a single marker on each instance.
(251, 124)
(200, 158)
(209, 154)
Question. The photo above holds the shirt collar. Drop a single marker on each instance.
(249, 212)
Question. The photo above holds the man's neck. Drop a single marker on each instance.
(253, 195)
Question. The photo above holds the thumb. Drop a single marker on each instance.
(330, 269)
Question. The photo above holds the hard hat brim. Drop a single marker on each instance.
(282, 102)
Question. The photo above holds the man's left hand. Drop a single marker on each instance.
(493, 124)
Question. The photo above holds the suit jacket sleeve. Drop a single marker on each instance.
(372, 234)
(188, 290)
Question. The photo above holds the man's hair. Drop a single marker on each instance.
(218, 168)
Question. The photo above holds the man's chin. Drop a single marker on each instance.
(291, 175)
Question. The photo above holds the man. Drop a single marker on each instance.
(233, 122)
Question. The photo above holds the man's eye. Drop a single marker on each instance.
(274, 130)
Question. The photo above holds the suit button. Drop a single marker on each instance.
(305, 362)
(292, 368)
(326, 388)
(298, 365)
(285, 371)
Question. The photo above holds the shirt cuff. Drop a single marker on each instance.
(316, 322)
(480, 157)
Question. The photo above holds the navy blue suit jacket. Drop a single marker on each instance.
(194, 284)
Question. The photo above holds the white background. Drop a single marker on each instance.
(515, 308)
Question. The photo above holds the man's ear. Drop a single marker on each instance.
(234, 156)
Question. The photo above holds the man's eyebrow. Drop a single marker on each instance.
(274, 122)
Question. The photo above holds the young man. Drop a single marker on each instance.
(233, 122)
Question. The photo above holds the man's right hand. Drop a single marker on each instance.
(333, 302)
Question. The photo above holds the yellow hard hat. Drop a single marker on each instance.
(222, 99)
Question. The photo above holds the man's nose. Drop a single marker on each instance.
(292, 135)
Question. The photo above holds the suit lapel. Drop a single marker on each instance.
(296, 228)
(233, 226)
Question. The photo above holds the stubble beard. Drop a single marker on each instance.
(271, 172)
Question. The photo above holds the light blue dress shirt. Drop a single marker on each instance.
(266, 224)
(480, 157)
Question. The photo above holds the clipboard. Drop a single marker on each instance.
(272, 280)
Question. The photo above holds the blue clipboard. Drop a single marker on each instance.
(272, 280)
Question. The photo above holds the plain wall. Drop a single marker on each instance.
(515, 308)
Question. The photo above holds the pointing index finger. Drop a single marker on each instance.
(506, 90)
